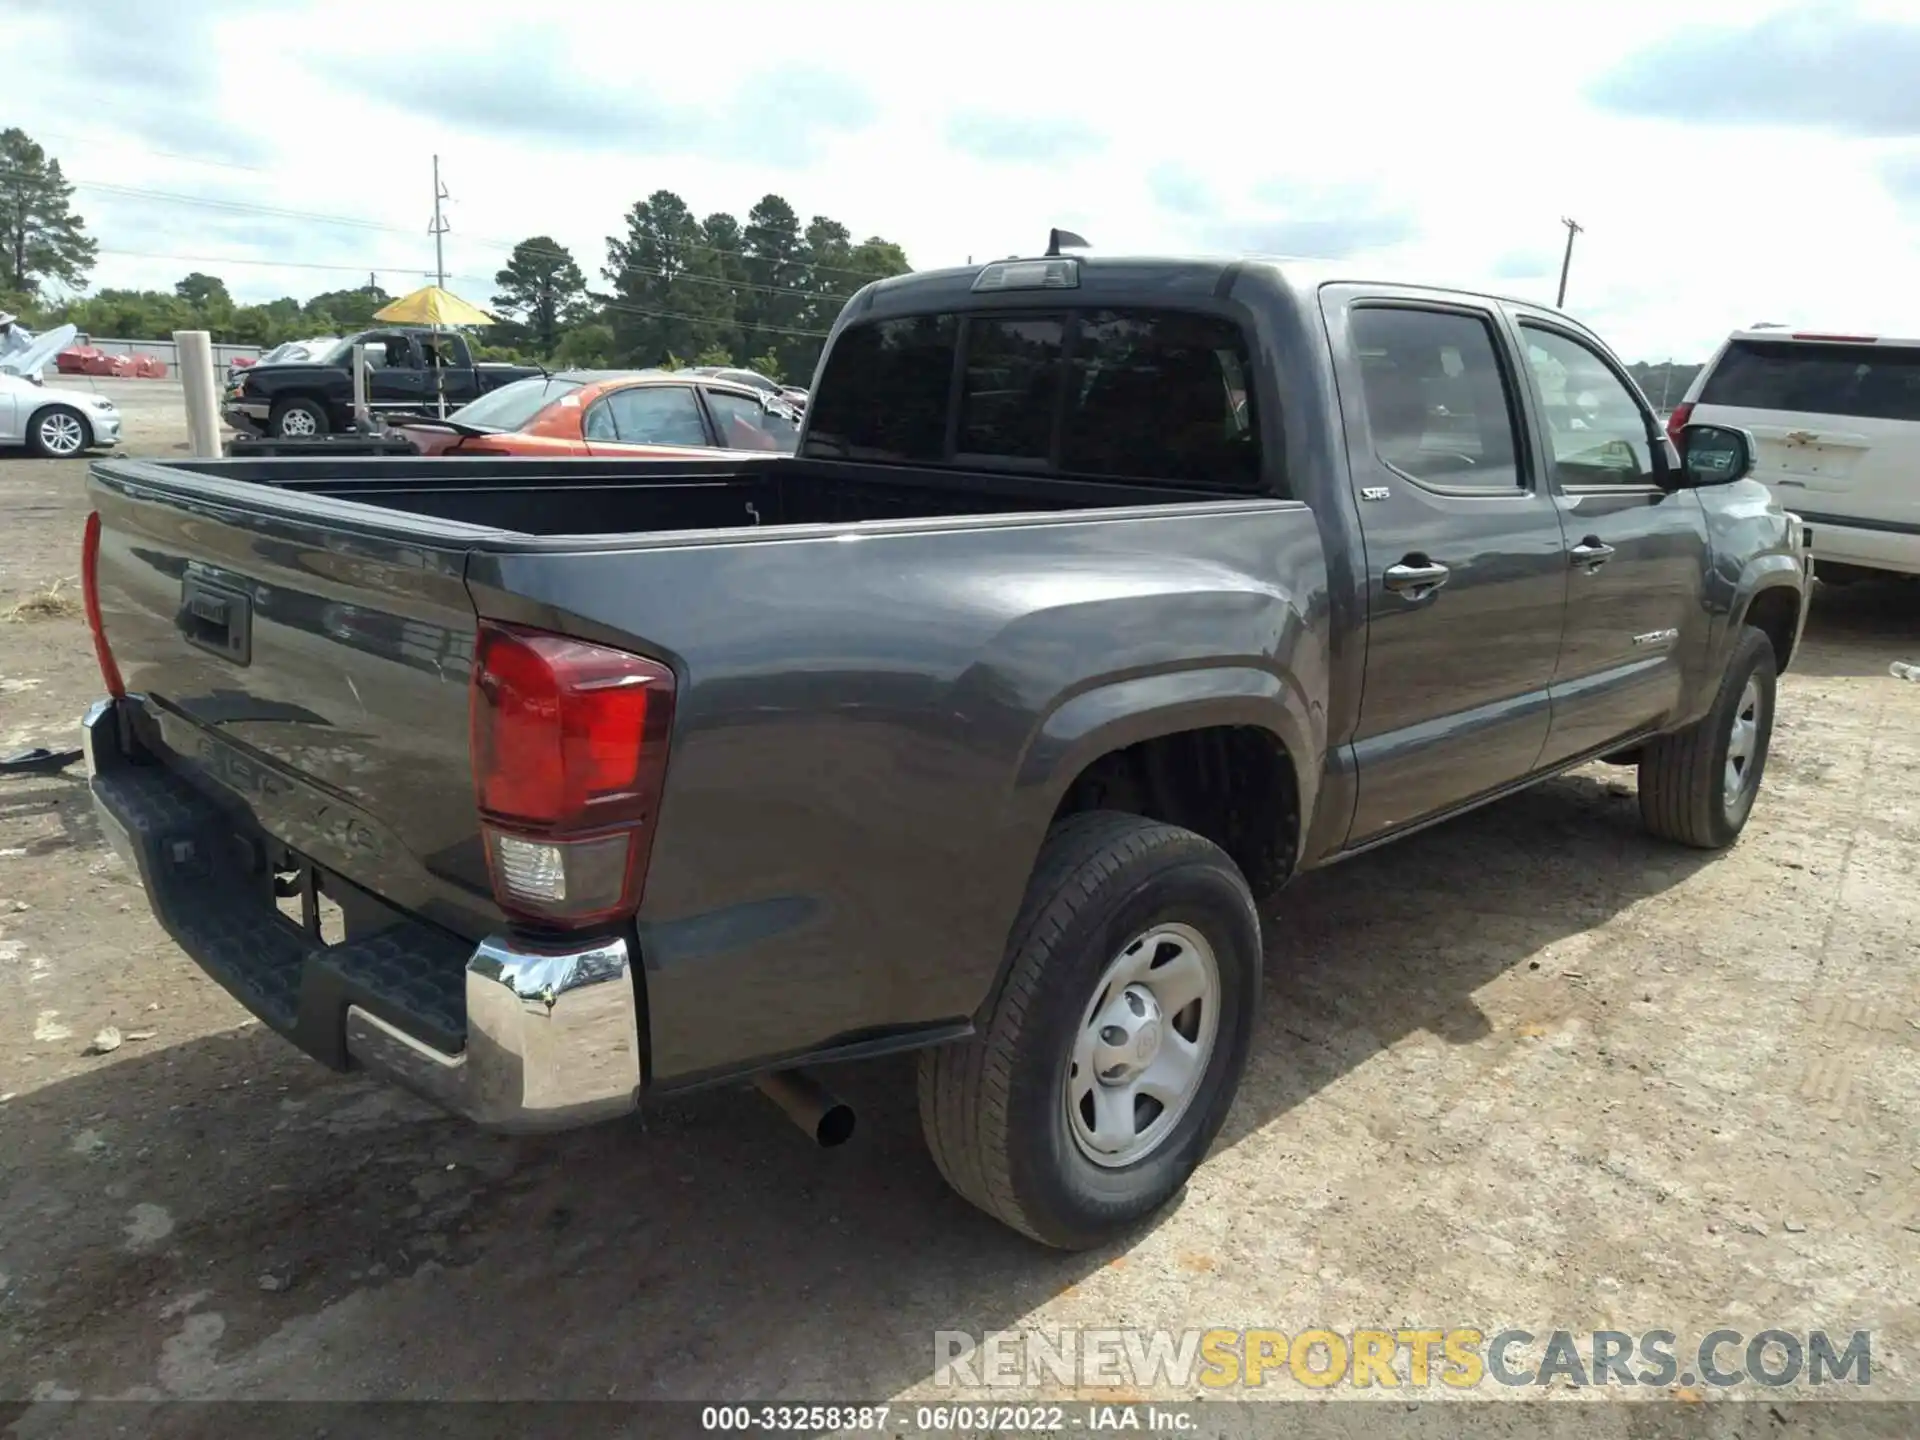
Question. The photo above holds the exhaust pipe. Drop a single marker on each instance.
(810, 1105)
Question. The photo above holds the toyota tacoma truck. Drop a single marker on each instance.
(1102, 597)
(408, 371)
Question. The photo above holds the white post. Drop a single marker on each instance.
(201, 389)
(360, 411)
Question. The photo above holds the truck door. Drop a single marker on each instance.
(1465, 565)
(1637, 553)
(396, 378)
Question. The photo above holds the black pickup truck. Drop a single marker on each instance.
(409, 372)
(1103, 596)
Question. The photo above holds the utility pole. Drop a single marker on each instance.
(1566, 262)
(440, 228)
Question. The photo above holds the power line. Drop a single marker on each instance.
(164, 154)
(269, 264)
(246, 207)
(475, 279)
(623, 307)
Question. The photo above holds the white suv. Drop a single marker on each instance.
(1837, 418)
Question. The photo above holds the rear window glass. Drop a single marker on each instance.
(884, 396)
(1871, 382)
(1011, 394)
(1120, 394)
(515, 403)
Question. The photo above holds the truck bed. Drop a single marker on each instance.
(627, 497)
(864, 657)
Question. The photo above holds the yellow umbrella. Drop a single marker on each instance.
(430, 305)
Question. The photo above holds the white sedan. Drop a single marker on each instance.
(53, 421)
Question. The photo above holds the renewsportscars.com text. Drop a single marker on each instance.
(1462, 1358)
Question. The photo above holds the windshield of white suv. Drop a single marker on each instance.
(1874, 382)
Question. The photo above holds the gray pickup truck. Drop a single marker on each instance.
(1103, 596)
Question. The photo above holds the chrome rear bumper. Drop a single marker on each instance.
(521, 1036)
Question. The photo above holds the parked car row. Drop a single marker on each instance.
(409, 369)
(654, 414)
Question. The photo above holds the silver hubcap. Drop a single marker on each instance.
(1143, 1044)
(62, 435)
(1743, 743)
(297, 422)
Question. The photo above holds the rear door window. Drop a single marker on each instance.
(1122, 394)
(649, 415)
(1871, 382)
(1439, 408)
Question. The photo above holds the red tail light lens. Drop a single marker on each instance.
(569, 756)
(1677, 421)
(90, 596)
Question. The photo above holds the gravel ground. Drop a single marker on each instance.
(1531, 1069)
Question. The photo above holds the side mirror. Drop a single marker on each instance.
(1715, 455)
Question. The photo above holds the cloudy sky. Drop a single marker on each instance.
(1731, 161)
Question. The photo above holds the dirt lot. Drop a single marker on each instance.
(1530, 1069)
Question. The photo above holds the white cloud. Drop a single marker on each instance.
(1437, 142)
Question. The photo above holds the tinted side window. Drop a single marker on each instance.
(1160, 395)
(883, 394)
(1868, 381)
(1438, 406)
(745, 425)
(656, 415)
(1595, 426)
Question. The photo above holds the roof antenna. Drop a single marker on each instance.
(1058, 238)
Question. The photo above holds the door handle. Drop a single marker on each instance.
(1590, 553)
(1416, 577)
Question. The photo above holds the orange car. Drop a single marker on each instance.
(654, 414)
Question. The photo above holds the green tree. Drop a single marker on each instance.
(670, 294)
(346, 309)
(773, 305)
(41, 239)
(585, 347)
(204, 292)
(543, 286)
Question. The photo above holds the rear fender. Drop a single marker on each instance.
(1126, 712)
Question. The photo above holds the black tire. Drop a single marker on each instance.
(296, 406)
(994, 1107)
(61, 417)
(1683, 792)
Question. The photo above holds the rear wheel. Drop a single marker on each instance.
(298, 419)
(1112, 1055)
(59, 432)
(1698, 786)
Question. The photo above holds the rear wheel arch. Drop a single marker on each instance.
(1235, 783)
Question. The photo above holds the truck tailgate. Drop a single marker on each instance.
(313, 673)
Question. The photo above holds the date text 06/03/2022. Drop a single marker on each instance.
(963, 1418)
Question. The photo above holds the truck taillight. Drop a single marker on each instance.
(1677, 421)
(569, 757)
(90, 596)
